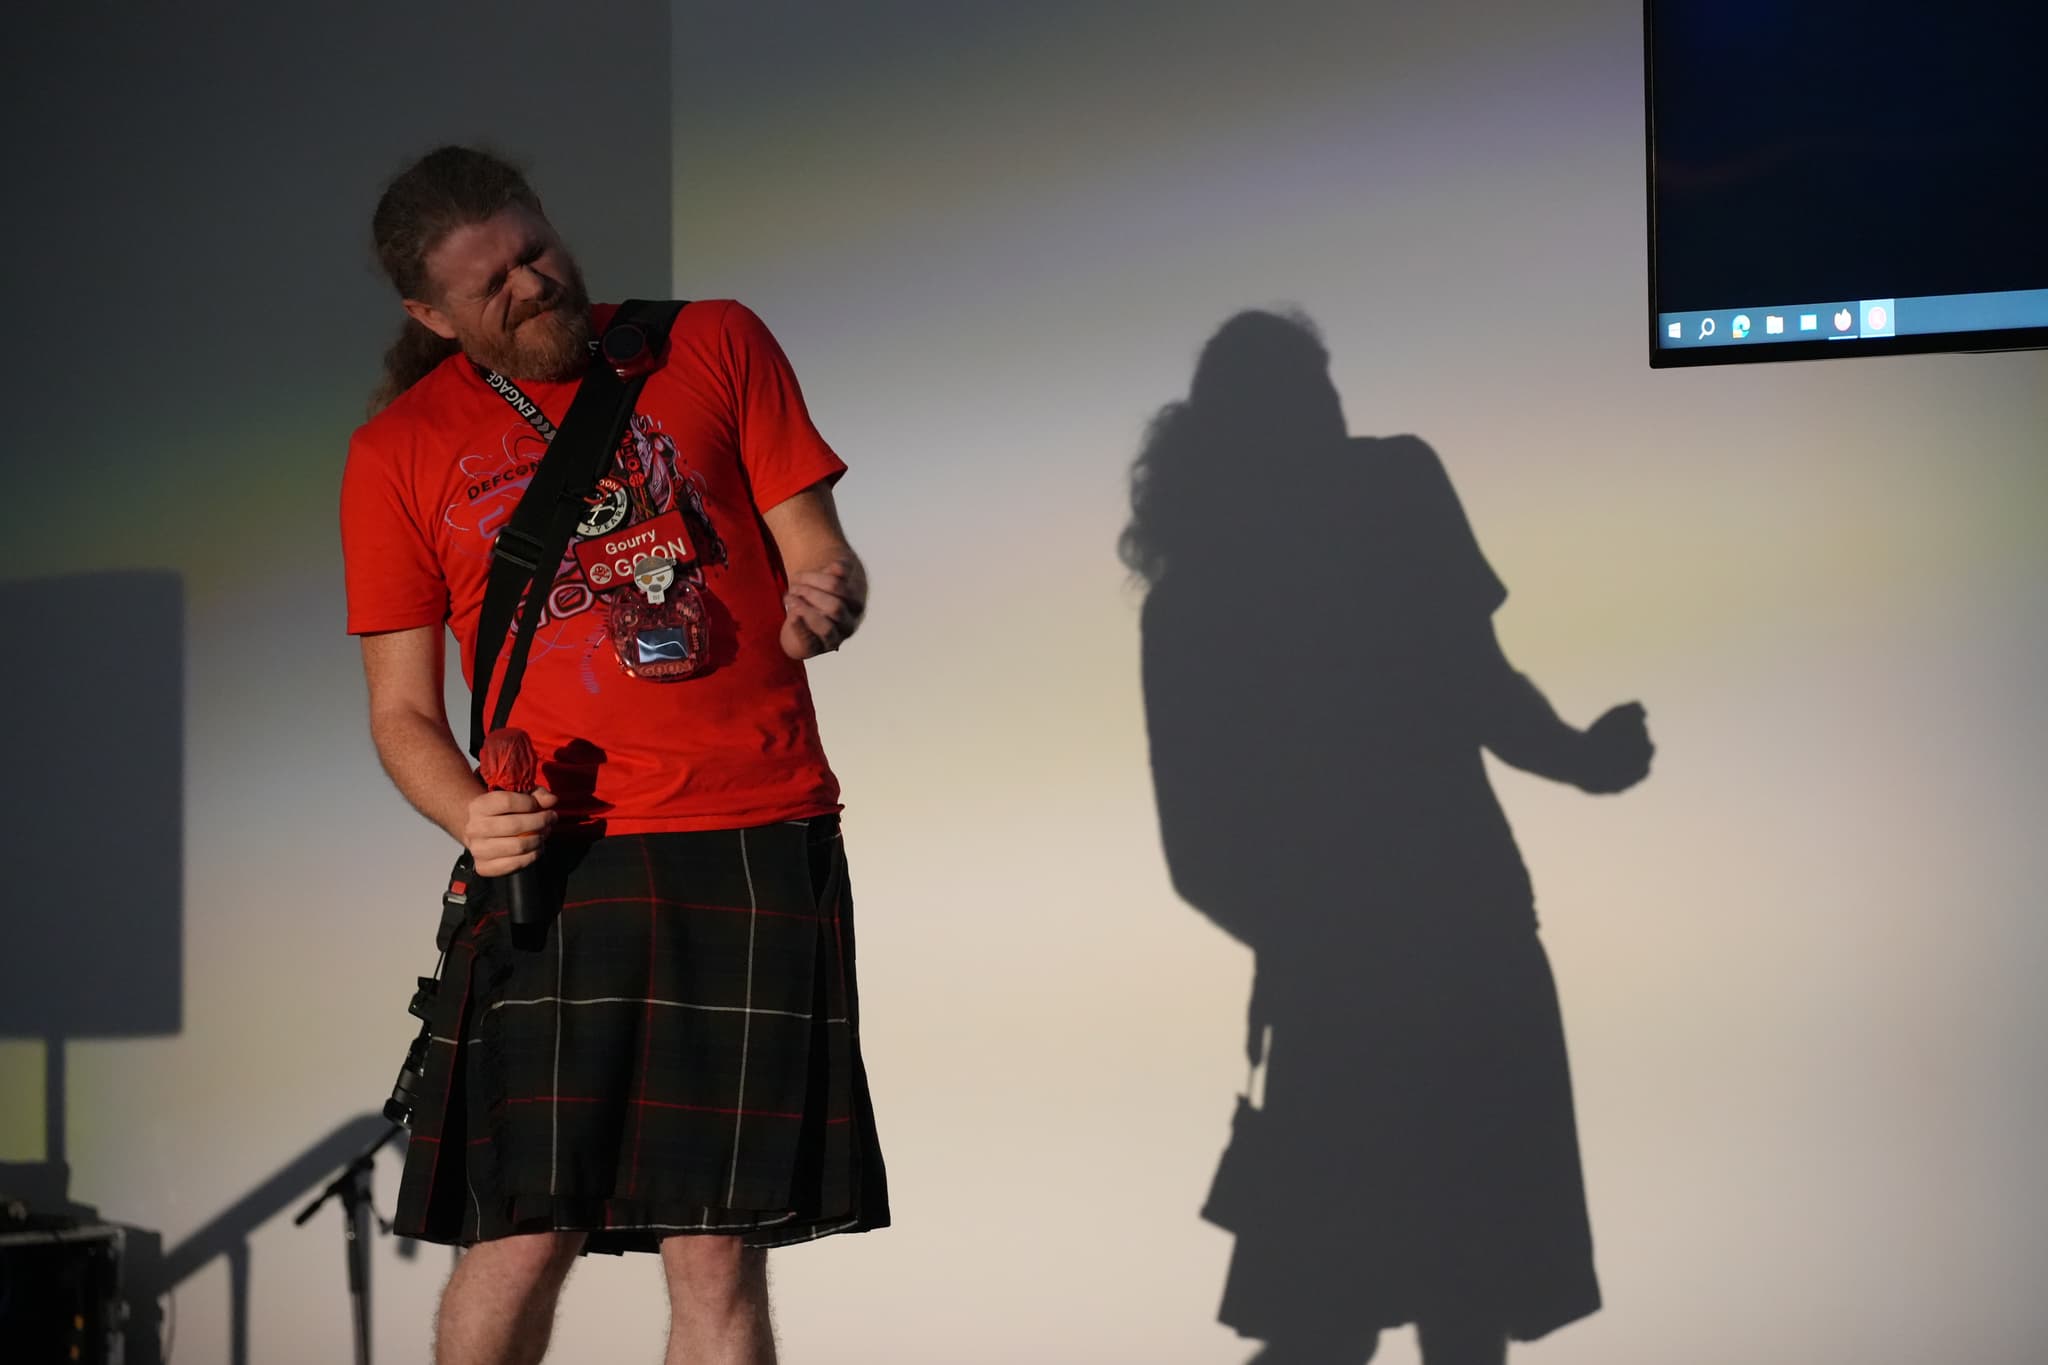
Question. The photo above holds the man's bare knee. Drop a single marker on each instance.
(499, 1306)
(712, 1272)
(527, 1259)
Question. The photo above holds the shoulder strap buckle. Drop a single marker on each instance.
(522, 551)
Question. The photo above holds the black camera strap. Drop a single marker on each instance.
(530, 546)
(524, 558)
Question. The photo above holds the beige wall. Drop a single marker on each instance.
(1797, 966)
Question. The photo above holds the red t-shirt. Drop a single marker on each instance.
(720, 435)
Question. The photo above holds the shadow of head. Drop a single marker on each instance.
(1260, 413)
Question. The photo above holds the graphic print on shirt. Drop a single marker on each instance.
(492, 485)
(644, 552)
(652, 569)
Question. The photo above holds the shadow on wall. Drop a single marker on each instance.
(93, 842)
(92, 942)
(1321, 675)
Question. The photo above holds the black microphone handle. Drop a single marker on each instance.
(522, 896)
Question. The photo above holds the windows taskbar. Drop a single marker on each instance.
(1849, 321)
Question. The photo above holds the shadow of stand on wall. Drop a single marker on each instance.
(148, 1273)
(349, 1148)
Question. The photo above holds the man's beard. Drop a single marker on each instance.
(547, 340)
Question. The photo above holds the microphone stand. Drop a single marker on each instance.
(352, 1187)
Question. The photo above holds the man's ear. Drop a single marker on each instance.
(431, 318)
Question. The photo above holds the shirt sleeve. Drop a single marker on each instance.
(1457, 566)
(781, 451)
(394, 579)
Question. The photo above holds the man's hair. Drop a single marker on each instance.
(448, 188)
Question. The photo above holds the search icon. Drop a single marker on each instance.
(1706, 328)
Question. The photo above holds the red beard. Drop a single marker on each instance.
(549, 341)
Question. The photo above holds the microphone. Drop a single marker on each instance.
(506, 764)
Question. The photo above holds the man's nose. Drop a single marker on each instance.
(528, 283)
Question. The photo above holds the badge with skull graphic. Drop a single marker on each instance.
(654, 576)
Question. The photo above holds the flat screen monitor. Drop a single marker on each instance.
(1846, 177)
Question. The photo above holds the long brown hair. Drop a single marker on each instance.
(448, 188)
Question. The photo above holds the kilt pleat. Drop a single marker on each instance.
(677, 1052)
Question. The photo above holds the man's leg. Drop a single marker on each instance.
(499, 1306)
(717, 1301)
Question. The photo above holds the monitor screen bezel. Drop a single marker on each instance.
(1678, 357)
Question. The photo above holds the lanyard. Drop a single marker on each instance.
(637, 357)
(518, 401)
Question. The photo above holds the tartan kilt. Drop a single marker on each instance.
(677, 1052)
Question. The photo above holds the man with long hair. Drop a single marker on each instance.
(676, 1067)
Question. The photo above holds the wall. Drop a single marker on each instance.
(1796, 965)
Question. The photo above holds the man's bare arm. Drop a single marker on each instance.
(409, 726)
(828, 586)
